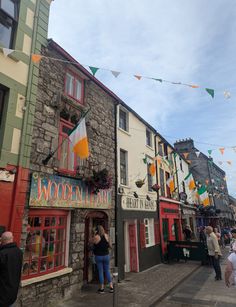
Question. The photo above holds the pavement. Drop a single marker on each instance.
(138, 289)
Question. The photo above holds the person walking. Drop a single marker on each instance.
(11, 258)
(187, 233)
(202, 235)
(214, 252)
(102, 257)
(230, 270)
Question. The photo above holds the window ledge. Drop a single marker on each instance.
(149, 147)
(74, 103)
(33, 280)
(12, 56)
(124, 131)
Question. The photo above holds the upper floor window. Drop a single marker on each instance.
(74, 86)
(123, 120)
(8, 22)
(123, 167)
(65, 154)
(160, 149)
(149, 232)
(148, 138)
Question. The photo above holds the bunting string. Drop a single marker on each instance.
(36, 58)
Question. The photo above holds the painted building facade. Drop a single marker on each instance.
(22, 34)
(169, 204)
(137, 215)
(68, 196)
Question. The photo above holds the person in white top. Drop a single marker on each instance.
(230, 270)
(214, 251)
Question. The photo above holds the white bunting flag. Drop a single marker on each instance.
(197, 153)
(115, 73)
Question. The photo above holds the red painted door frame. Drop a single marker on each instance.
(133, 248)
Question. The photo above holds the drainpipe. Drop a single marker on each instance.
(116, 190)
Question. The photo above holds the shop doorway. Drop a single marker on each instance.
(176, 227)
(133, 248)
(92, 220)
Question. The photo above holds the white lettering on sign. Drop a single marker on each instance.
(138, 204)
(6, 176)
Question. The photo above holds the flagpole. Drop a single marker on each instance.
(52, 153)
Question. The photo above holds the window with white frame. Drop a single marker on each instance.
(8, 22)
(123, 120)
(74, 86)
(149, 232)
(123, 167)
(148, 138)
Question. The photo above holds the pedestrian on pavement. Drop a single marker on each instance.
(187, 233)
(10, 269)
(230, 270)
(202, 235)
(233, 240)
(214, 251)
(102, 257)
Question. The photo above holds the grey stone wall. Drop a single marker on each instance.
(51, 102)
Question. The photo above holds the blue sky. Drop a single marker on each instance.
(188, 41)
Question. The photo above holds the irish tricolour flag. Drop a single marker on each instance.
(190, 181)
(79, 140)
(171, 184)
(204, 196)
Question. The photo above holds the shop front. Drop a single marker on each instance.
(139, 234)
(189, 218)
(170, 222)
(62, 213)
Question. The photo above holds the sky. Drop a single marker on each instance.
(187, 41)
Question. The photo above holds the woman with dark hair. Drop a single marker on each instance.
(102, 257)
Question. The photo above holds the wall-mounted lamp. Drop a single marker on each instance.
(121, 190)
(135, 195)
(148, 198)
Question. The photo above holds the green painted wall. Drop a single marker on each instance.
(9, 119)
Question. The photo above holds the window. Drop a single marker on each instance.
(149, 232)
(8, 22)
(148, 138)
(123, 167)
(183, 186)
(123, 120)
(165, 150)
(162, 182)
(74, 86)
(2, 95)
(67, 162)
(45, 243)
(160, 150)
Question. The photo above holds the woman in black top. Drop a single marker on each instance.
(102, 257)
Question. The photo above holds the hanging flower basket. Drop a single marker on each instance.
(156, 187)
(139, 183)
(100, 180)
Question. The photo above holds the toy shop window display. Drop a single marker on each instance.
(45, 245)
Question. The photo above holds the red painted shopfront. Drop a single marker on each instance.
(170, 221)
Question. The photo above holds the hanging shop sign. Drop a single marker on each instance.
(61, 192)
(138, 204)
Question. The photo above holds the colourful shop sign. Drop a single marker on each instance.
(61, 192)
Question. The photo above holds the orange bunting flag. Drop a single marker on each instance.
(186, 154)
(224, 178)
(229, 162)
(138, 77)
(36, 58)
(152, 169)
(159, 160)
(193, 86)
(222, 150)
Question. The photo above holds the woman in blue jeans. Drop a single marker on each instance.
(102, 257)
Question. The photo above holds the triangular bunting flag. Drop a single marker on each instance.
(160, 80)
(210, 92)
(186, 154)
(197, 153)
(227, 94)
(212, 180)
(36, 58)
(6, 51)
(93, 70)
(193, 86)
(145, 160)
(115, 73)
(220, 162)
(138, 77)
(229, 162)
(225, 178)
(209, 151)
(222, 150)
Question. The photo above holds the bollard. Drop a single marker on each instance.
(115, 287)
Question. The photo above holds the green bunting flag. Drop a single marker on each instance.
(145, 160)
(209, 151)
(93, 70)
(210, 92)
(160, 80)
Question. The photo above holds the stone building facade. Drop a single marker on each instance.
(63, 205)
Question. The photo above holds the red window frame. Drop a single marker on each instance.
(76, 77)
(34, 255)
(62, 136)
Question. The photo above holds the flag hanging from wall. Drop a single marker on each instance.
(190, 181)
(171, 184)
(203, 194)
(152, 169)
(79, 140)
